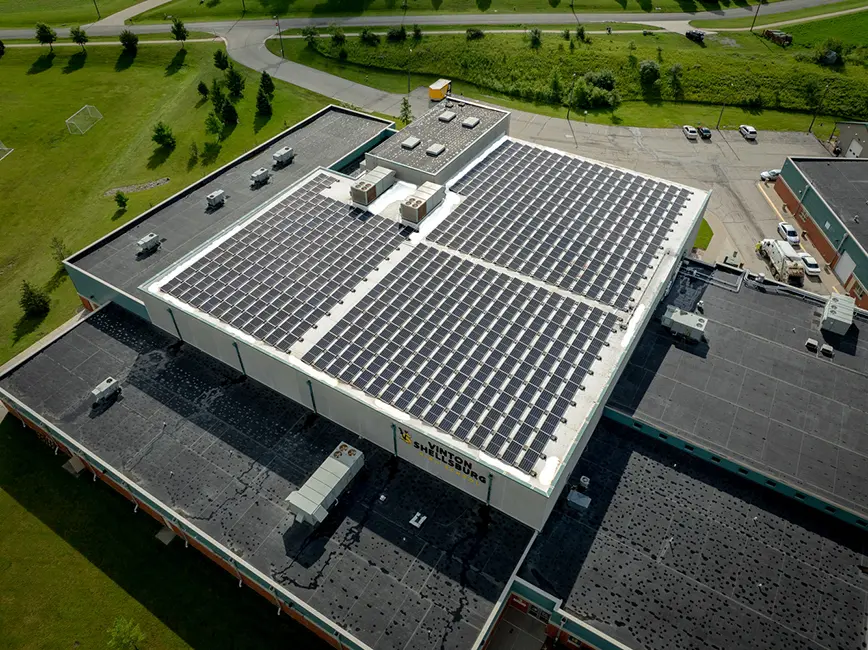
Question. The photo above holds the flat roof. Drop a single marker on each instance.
(509, 357)
(673, 552)
(224, 452)
(843, 184)
(431, 130)
(185, 224)
(752, 392)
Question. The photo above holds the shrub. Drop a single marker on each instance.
(2, 49)
(555, 90)
(310, 34)
(565, 34)
(534, 36)
(221, 60)
(338, 36)
(601, 78)
(673, 77)
(121, 199)
(129, 41)
(396, 34)
(649, 72)
(406, 111)
(474, 34)
(34, 301)
(202, 88)
(342, 54)
(163, 136)
(417, 32)
(125, 635)
(580, 33)
(368, 37)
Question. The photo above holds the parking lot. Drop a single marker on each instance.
(741, 210)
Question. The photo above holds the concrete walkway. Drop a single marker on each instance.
(119, 18)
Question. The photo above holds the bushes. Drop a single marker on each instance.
(396, 34)
(649, 72)
(368, 37)
(163, 136)
(34, 301)
(474, 34)
(534, 37)
(417, 33)
(604, 79)
(310, 34)
(338, 36)
(129, 41)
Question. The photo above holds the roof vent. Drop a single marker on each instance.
(446, 116)
(470, 122)
(827, 350)
(812, 344)
(410, 143)
(435, 149)
(311, 503)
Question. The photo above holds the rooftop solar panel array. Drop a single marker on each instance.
(490, 359)
(581, 226)
(282, 272)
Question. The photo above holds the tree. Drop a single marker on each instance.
(649, 72)
(125, 635)
(163, 136)
(555, 90)
(179, 31)
(229, 115)
(221, 60)
(338, 36)
(417, 33)
(59, 251)
(565, 34)
(78, 36)
(263, 102)
(214, 125)
(129, 41)
(673, 77)
(45, 35)
(203, 89)
(474, 33)
(121, 199)
(217, 97)
(266, 83)
(234, 82)
(534, 35)
(368, 37)
(34, 301)
(406, 111)
(310, 34)
(2, 49)
(396, 34)
(580, 33)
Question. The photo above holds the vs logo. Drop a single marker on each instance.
(405, 436)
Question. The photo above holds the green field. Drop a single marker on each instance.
(25, 13)
(53, 183)
(73, 557)
(768, 19)
(851, 29)
(232, 9)
(733, 68)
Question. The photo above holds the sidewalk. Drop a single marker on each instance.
(119, 18)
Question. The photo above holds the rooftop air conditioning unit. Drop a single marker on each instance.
(421, 203)
(283, 156)
(148, 244)
(685, 323)
(838, 314)
(435, 149)
(470, 122)
(446, 116)
(411, 143)
(259, 177)
(371, 185)
(105, 391)
(310, 504)
(216, 199)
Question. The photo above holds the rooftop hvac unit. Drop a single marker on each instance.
(435, 149)
(685, 323)
(838, 314)
(148, 244)
(216, 198)
(283, 156)
(446, 116)
(371, 185)
(470, 122)
(411, 143)
(105, 391)
(259, 177)
(421, 202)
(311, 503)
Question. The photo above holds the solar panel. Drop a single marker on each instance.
(468, 383)
(282, 272)
(597, 238)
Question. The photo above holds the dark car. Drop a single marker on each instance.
(704, 132)
(695, 35)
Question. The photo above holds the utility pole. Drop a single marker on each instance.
(96, 6)
(758, 5)
(817, 107)
(279, 35)
(572, 85)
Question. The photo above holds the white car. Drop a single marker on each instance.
(690, 132)
(787, 232)
(747, 132)
(810, 264)
(770, 175)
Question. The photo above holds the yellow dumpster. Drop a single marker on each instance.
(439, 89)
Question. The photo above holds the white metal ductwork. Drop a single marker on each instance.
(311, 503)
(371, 185)
(838, 314)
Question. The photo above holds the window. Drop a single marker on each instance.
(858, 289)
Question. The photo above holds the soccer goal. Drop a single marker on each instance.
(4, 151)
(83, 120)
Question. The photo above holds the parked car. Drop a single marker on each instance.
(689, 132)
(704, 132)
(747, 132)
(810, 264)
(787, 232)
(695, 35)
(770, 175)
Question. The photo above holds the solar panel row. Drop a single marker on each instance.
(491, 359)
(574, 224)
(282, 272)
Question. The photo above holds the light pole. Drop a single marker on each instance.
(758, 5)
(409, 58)
(817, 107)
(279, 35)
(96, 6)
(572, 85)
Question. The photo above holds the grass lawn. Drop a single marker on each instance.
(53, 183)
(703, 237)
(353, 31)
(851, 29)
(26, 13)
(232, 9)
(112, 39)
(73, 557)
(776, 18)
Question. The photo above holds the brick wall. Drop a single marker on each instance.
(803, 222)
